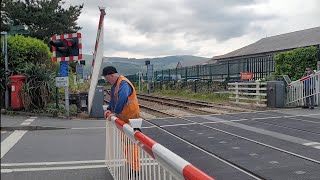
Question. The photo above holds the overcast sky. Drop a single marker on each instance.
(153, 28)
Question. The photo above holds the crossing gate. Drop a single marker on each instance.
(131, 155)
(306, 87)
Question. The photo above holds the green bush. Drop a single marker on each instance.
(293, 63)
(73, 110)
(23, 50)
(31, 57)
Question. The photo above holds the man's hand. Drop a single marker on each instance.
(108, 112)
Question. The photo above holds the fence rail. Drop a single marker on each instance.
(248, 93)
(131, 155)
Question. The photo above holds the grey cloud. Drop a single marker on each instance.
(198, 20)
(213, 19)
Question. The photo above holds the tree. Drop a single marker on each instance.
(44, 18)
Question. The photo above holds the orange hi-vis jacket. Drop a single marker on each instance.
(131, 109)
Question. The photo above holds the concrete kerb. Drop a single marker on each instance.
(23, 113)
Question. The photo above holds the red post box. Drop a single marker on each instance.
(16, 87)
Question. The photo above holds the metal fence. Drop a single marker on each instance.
(304, 91)
(131, 155)
(228, 70)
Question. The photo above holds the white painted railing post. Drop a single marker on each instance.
(237, 92)
(258, 92)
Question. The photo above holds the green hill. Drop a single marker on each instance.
(128, 66)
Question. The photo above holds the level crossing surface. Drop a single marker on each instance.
(280, 144)
(260, 145)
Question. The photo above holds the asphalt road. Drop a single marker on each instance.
(262, 145)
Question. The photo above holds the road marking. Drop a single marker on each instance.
(297, 119)
(27, 122)
(311, 143)
(10, 141)
(2, 132)
(51, 168)
(33, 117)
(268, 133)
(273, 162)
(299, 172)
(52, 163)
(172, 125)
(89, 128)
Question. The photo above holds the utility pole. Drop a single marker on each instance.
(5, 52)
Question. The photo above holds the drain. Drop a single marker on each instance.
(31, 128)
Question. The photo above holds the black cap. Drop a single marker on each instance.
(109, 70)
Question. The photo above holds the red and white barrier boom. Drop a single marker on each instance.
(97, 59)
(130, 154)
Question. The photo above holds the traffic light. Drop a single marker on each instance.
(66, 47)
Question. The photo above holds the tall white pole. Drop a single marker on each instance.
(97, 59)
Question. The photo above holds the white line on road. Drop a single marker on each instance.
(90, 128)
(51, 168)
(2, 132)
(311, 143)
(29, 120)
(52, 163)
(10, 141)
(25, 123)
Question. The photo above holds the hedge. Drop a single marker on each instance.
(294, 62)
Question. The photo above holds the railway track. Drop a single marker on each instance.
(182, 103)
(171, 103)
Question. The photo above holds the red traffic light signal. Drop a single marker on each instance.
(66, 47)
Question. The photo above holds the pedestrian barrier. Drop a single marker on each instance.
(302, 90)
(131, 155)
(248, 93)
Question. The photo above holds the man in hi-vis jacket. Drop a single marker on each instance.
(124, 105)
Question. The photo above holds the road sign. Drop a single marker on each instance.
(64, 69)
(66, 47)
(62, 81)
(246, 75)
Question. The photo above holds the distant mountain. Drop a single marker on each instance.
(128, 66)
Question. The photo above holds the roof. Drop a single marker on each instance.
(303, 38)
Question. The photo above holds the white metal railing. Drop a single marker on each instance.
(303, 90)
(131, 155)
(248, 93)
